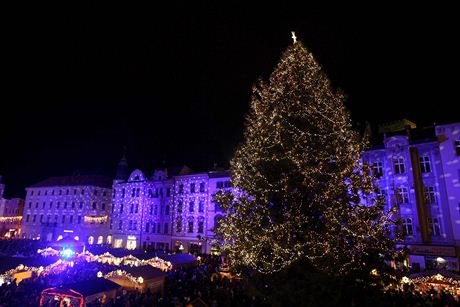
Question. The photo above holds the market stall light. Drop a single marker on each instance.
(99, 274)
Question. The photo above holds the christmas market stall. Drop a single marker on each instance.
(139, 278)
(439, 280)
(178, 260)
(96, 290)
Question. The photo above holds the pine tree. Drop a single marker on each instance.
(300, 187)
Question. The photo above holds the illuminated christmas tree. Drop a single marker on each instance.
(301, 192)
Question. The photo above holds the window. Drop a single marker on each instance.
(227, 184)
(133, 192)
(100, 240)
(27, 218)
(181, 188)
(65, 205)
(150, 193)
(137, 208)
(399, 167)
(81, 205)
(430, 195)
(167, 210)
(190, 226)
(103, 206)
(35, 218)
(130, 225)
(67, 192)
(79, 219)
(120, 225)
(147, 227)
(219, 184)
(166, 228)
(153, 227)
(75, 192)
(114, 193)
(73, 205)
(135, 225)
(457, 147)
(179, 206)
(123, 193)
(201, 205)
(407, 226)
(94, 206)
(60, 192)
(151, 209)
(113, 208)
(138, 191)
(70, 219)
(425, 165)
(43, 205)
(377, 168)
(63, 219)
(156, 193)
(191, 206)
(159, 227)
(192, 188)
(95, 192)
(434, 227)
(131, 209)
(58, 204)
(200, 226)
(31, 193)
(155, 211)
(381, 194)
(402, 196)
(90, 240)
(36, 205)
(30, 205)
(202, 187)
(51, 204)
(179, 224)
(168, 192)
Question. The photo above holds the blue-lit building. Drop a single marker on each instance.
(418, 171)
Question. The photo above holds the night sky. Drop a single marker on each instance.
(172, 84)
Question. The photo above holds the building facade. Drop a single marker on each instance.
(165, 211)
(419, 175)
(10, 214)
(74, 206)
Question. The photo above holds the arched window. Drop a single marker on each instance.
(90, 240)
(100, 240)
(109, 239)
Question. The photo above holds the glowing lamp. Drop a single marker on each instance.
(99, 274)
(67, 253)
(140, 279)
(405, 279)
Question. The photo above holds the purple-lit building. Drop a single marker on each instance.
(10, 214)
(73, 206)
(170, 210)
(419, 172)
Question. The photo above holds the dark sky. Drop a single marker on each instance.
(173, 83)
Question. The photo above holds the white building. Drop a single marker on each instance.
(75, 206)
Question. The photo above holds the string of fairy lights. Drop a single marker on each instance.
(302, 179)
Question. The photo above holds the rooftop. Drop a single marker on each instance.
(86, 180)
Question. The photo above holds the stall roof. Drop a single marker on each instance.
(444, 273)
(176, 259)
(93, 286)
(8, 263)
(145, 271)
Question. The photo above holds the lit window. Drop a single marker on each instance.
(434, 227)
(399, 167)
(407, 226)
(425, 164)
(430, 195)
(377, 168)
(90, 240)
(100, 240)
(402, 196)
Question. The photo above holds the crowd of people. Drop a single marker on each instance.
(200, 285)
